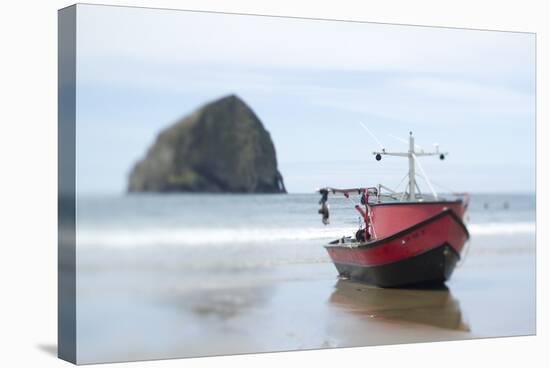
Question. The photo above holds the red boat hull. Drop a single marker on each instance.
(389, 218)
(424, 252)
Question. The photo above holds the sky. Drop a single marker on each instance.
(312, 83)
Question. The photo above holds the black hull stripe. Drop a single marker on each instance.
(433, 266)
(400, 233)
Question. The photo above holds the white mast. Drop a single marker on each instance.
(411, 168)
(411, 155)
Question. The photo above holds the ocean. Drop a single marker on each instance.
(177, 274)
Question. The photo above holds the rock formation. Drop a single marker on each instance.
(222, 147)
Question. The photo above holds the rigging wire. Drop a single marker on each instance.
(425, 176)
(371, 134)
(401, 182)
(464, 254)
(444, 187)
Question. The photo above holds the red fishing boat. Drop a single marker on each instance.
(405, 238)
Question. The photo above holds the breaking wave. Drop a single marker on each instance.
(496, 228)
(201, 236)
(189, 237)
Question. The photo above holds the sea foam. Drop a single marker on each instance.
(196, 236)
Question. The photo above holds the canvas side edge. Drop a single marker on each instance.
(66, 200)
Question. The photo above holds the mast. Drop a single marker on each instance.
(412, 156)
(412, 186)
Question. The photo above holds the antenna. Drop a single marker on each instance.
(412, 156)
(406, 141)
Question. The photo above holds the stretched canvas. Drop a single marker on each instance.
(235, 184)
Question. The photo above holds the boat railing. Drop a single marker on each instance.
(386, 195)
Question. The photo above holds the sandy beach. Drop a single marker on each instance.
(299, 306)
(157, 280)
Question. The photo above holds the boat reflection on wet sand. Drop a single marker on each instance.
(434, 306)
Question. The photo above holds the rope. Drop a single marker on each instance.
(371, 134)
(464, 256)
(444, 187)
(425, 176)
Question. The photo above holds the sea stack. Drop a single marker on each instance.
(222, 147)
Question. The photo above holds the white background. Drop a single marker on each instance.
(28, 181)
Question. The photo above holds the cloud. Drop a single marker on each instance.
(425, 74)
(310, 81)
(194, 38)
(431, 99)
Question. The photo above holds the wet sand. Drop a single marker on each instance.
(147, 314)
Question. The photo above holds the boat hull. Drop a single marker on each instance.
(389, 218)
(426, 252)
(432, 267)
